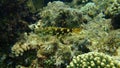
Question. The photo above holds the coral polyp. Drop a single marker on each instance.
(93, 60)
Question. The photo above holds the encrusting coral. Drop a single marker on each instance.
(93, 60)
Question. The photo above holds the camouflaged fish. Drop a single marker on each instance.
(60, 30)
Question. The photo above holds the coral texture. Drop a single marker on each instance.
(68, 17)
(93, 60)
(68, 30)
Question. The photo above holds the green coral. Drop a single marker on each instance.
(93, 60)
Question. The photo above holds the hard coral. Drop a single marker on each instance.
(58, 18)
(68, 17)
(93, 60)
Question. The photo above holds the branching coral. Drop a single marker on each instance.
(88, 9)
(93, 60)
(111, 43)
(68, 17)
(27, 43)
(109, 8)
(113, 9)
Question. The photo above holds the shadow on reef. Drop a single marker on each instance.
(11, 62)
(15, 17)
(116, 21)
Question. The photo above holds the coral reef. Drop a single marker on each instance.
(62, 48)
(65, 30)
(93, 60)
(68, 17)
(109, 8)
(48, 46)
(113, 9)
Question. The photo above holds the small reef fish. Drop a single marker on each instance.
(61, 30)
